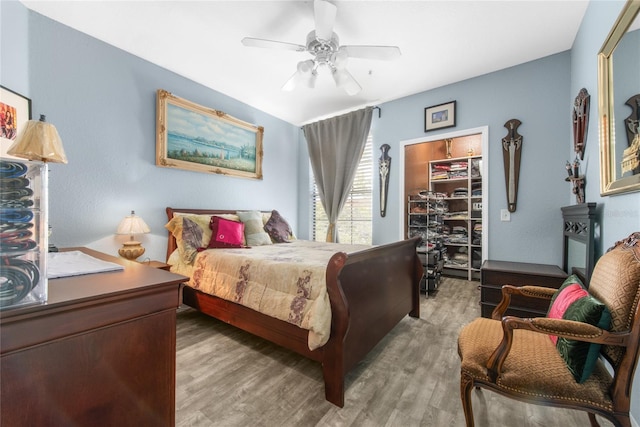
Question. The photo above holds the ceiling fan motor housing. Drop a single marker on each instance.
(322, 49)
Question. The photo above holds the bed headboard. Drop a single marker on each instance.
(172, 244)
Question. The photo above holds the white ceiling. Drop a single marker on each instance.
(441, 42)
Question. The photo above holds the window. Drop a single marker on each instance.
(355, 221)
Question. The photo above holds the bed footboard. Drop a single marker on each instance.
(370, 292)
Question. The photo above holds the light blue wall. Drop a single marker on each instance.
(103, 103)
(14, 43)
(535, 93)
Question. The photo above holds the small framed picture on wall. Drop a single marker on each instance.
(15, 112)
(440, 116)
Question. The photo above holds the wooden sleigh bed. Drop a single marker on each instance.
(369, 291)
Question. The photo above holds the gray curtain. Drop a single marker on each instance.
(335, 148)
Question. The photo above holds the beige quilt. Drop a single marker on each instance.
(286, 281)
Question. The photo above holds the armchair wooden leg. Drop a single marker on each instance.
(592, 420)
(620, 420)
(466, 384)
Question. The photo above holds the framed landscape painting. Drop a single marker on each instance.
(192, 137)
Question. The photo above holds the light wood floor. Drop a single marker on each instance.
(226, 377)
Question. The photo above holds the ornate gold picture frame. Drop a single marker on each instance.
(614, 148)
(192, 137)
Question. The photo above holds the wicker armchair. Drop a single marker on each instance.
(516, 358)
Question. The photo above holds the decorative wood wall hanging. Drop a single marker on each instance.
(511, 151)
(384, 168)
(580, 121)
(631, 155)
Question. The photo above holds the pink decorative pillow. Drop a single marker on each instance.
(573, 302)
(225, 233)
(563, 300)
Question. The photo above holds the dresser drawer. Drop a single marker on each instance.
(486, 310)
(495, 274)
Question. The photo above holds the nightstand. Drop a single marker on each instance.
(157, 264)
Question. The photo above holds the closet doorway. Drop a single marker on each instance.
(450, 168)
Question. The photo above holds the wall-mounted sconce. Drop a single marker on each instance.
(577, 181)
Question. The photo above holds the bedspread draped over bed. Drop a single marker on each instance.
(286, 281)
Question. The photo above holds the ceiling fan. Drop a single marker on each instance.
(323, 44)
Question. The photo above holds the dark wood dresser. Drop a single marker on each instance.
(494, 274)
(100, 352)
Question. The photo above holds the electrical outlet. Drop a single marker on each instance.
(505, 215)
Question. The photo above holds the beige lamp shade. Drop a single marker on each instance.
(39, 140)
(132, 225)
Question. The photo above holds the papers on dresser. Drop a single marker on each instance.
(75, 263)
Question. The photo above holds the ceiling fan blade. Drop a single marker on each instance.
(345, 80)
(340, 58)
(293, 82)
(271, 44)
(306, 72)
(384, 53)
(325, 16)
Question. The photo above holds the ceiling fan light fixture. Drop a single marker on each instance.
(306, 67)
(305, 74)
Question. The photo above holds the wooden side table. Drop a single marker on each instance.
(100, 352)
(158, 264)
(494, 274)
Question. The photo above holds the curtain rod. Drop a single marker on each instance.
(375, 107)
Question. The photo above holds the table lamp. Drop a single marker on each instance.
(39, 140)
(132, 225)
